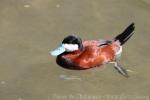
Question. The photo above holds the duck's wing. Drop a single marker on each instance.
(104, 42)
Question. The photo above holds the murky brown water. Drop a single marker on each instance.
(30, 28)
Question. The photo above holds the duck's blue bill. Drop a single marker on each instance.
(58, 51)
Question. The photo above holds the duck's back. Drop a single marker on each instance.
(94, 54)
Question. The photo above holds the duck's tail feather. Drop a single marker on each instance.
(126, 34)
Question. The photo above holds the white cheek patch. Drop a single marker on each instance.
(70, 47)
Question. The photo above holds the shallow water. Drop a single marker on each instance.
(30, 28)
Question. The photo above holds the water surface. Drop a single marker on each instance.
(30, 28)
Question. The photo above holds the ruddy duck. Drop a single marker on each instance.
(75, 54)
